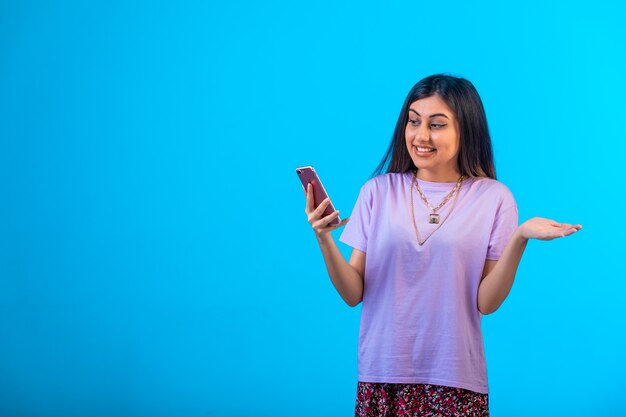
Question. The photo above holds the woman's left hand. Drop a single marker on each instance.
(546, 229)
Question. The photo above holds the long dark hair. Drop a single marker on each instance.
(475, 157)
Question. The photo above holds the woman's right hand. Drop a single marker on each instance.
(320, 224)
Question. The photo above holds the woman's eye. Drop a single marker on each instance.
(433, 125)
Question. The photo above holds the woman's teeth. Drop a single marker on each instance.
(425, 149)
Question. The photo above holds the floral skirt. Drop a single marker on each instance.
(387, 400)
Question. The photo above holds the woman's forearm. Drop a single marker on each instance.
(347, 281)
(495, 287)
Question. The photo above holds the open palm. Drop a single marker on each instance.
(546, 229)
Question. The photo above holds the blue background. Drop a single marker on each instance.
(155, 259)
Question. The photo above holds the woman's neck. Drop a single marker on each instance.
(426, 175)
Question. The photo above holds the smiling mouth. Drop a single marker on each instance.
(421, 150)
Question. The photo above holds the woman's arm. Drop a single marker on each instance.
(498, 278)
(346, 277)
(495, 286)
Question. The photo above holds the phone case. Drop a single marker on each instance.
(308, 175)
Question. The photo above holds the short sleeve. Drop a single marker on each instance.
(356, 231)
(504, 226)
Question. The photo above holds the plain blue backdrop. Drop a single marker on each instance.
(155, 258)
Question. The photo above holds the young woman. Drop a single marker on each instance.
(436, 245)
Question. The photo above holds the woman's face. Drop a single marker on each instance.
(432, 125)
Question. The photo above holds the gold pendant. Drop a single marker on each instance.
(433, 218)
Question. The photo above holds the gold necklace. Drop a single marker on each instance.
(433, 218)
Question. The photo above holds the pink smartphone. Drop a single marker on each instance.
(308, 175)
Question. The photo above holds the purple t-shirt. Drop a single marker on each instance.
(420, 322)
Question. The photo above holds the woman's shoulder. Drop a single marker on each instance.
(492, 188)
(386, 182)
(490, 184)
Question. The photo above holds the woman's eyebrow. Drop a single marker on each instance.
(432, 115)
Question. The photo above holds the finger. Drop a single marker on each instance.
(320, 209)
(341, 223)
(332, 217)
(316, 214)
(309, 198)
(336, 226)
(550, 233)
(324, 221)
(566, 230)
(572, 230)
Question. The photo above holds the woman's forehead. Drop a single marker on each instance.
(432, 105)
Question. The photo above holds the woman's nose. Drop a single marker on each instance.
(421, 134)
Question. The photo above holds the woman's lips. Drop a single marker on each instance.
(425, 154)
